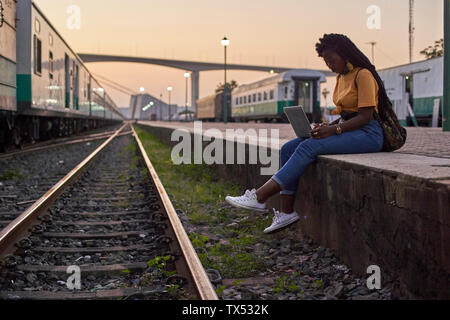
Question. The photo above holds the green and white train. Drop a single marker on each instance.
(266, 99)
(419, 84)
(45, 89)
(8, 55)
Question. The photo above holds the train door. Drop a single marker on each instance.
(67, 81)
(76, 89)
(89, 92)
(408, 96)
(306, 96)
(409, 89)
(303, 95)
(73, 84)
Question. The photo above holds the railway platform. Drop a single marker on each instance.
(390, 210)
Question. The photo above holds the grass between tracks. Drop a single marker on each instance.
(228, 235)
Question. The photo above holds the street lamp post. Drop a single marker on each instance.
(186, 75)
(160, 106)
(225, 43)
(170, 91)
(325, 93)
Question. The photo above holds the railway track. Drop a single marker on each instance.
(107, 230)
(46, 145)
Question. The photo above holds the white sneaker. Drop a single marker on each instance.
(247, 201)
(281, 220)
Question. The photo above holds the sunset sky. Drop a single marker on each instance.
(262, 32)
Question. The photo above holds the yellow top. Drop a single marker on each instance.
(348, 98)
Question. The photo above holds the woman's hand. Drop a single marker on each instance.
(323, 131)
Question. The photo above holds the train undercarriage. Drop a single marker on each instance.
(18, 130)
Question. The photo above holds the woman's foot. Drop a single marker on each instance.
(281, 220)
(247, 201)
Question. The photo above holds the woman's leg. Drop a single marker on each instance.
(368, 139)
(287, 203)
(272, 187)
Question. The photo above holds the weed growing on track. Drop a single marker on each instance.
(14, 174)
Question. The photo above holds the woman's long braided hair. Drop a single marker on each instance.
(348, 51)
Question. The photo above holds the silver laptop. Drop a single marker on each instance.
(299, 121)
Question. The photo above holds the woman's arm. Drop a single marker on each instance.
(316, 125)
(334, 122)
(364, 116)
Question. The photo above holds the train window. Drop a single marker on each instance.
(37, 26)
(37, 56)
(50, 64)
(265, 96)
(285, 92)
(271, 94)
(259, 96)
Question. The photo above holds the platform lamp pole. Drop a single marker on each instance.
(160, 106)
(446, 104)
(225, 43)
(186, 75)
(170, 91)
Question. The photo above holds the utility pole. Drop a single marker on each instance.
(225, 44)
(446, 104)
(373, 53)
(411, 30)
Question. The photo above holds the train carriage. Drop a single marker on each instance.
(267, 98)
(8, 55)
(8, 60)
(418, 84)
(52, 78)
(210, 108)
(56, 95)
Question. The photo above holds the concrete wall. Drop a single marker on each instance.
(368, 217)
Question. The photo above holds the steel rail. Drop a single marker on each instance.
(19, 227)
(204, 287)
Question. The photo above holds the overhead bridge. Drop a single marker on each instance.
(194, 67)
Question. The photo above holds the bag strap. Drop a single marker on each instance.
(356, 85)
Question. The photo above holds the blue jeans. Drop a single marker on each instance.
(297, 154)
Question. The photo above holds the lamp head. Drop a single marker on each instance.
(225, 42)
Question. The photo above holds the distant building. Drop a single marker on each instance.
(147, 107)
